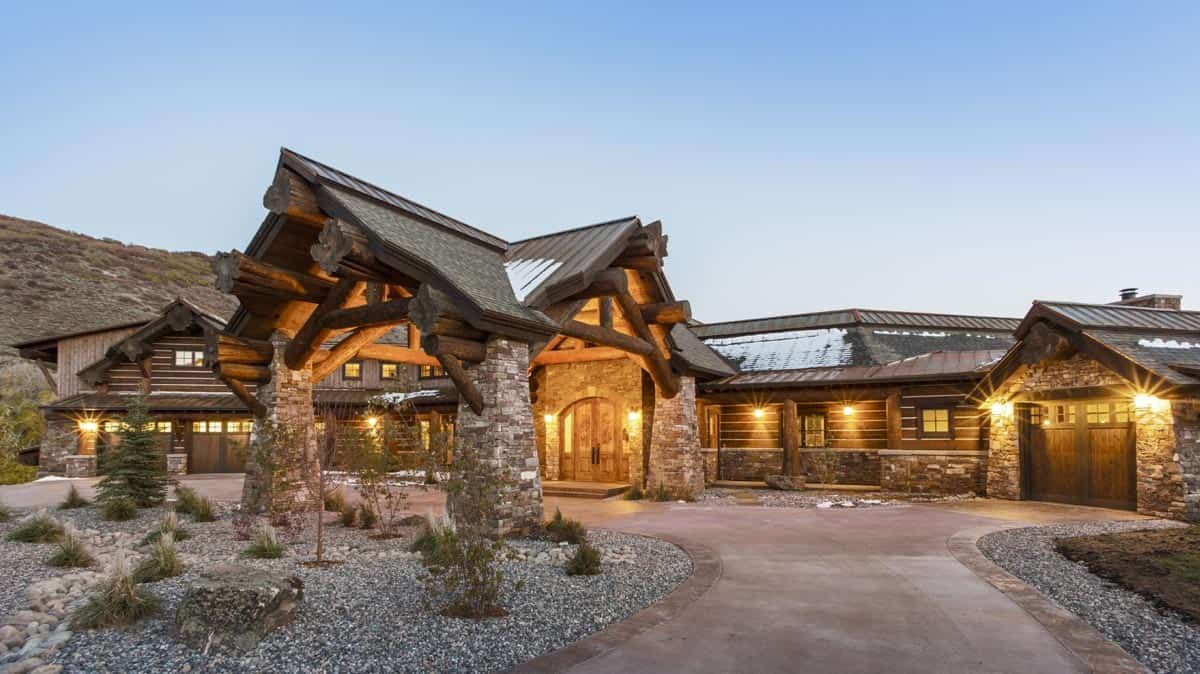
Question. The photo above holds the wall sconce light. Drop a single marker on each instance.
(1002, 409)
(372, 421)
(847, 411)
(1146, 401)
(633, 416)
(88, 426)
(758, 412)
(548, 418)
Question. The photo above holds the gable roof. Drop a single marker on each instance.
(848, 317)
(1079, 316)
(537, 266)
(934, 366)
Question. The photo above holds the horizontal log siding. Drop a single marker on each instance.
(165, 376)
(969, 421)
(76, 353)
(741, 429)
(865, 429)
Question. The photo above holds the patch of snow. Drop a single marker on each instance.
(935, 333)
(825, 504)
(52, 478)
(397, 397)
(526, 275)
(1160, 343)
(790, 350)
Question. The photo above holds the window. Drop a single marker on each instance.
(189, 359)
(1121, 413)
(112, 426)
(1035, 415)
(1062, 413)
(812, 430)
(428, 371)
(935, 422)
(1097, 413)
(242, 426)
(352, 370)
(206, 426)
(163, 427)
(389, 371)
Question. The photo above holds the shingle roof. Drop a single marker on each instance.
(847, 317)
(1155, 351)
(928, 366)
(697, 354)
(536, 265)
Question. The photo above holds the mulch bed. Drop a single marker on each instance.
(1162, 565)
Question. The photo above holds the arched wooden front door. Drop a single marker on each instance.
(590, 441)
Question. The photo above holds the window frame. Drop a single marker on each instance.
(435, 372)
(348, 377)
(947, 434)
(383, 365)
(802, 417)
(192, 361)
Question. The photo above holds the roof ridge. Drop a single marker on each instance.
(560, 232)
(1123, 307)
(481, 232)
(857, 313)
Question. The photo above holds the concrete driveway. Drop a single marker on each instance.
(867, 590)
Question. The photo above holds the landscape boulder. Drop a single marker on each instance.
(233, 606)
(785, 482)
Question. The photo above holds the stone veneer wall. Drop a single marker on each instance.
(934, 471)
(503, 434)
(288, 399)
(675, 459)
(60, 440)
(855, 466)
(749, 464)
(1168, 459)
(618, 380)
(709, 455)
(1004, 458)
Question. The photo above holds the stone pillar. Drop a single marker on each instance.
(1160, 480)
(81, 465)
(1186, 418)
(288, 399)
(60, 440)
(675, 459)
(503, 436)
(1004, 456)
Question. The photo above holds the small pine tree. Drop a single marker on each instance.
(135, 469)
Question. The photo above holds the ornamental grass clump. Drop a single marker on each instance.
(186, 500)
(169, 525)
(564, 529)
(586, 561)
(72, 552)
(265, 545)
(5, 513)
(661, 493)
(366, 517)
(634, 493)
(335, 501)
(74, 500)
(349, 516)
(434, 536)
(161, 562)
(118, 602)
(37, 528)
(203, 510)
(118, 510)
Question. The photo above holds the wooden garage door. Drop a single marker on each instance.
(1083, 452)
(218, 446)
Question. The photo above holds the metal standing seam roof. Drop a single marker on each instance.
(1111, 317)
(155, 402)
(537, 264)
(936, 365)
(847, 317)
(315, 170)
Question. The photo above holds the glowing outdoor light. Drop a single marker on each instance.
(847, 411)
(633, 415)
(1002, 409)
(758, 412)
(1146, 401)
(548, 418)
(372, 421)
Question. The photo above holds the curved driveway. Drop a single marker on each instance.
(868, 590)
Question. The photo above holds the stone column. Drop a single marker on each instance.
(1160, 490)
(288, 430)
(503, 436)
(675, 459)
(1004, 457)
(1186, 417)
(60, 441)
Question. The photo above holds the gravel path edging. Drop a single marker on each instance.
(706, 571)
(1077, 636)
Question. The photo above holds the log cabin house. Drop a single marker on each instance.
(570, 358)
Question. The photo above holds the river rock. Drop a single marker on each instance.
(233, 606)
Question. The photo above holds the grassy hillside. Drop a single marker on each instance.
(53, 281)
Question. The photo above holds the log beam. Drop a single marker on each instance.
(434, 317)
(342, 248)
(237, 274)
(791, 436)
(252, 403)
(605, 307)
(314, 332)
(463, 349)
(646, 263)
(466, 388)
(347, 349)
(667, 313)
(221, 347)
(368, 315)
(655, 362)
(392, 353)
(258, 374)
(596, 334)
(290, 195)
(579, 355)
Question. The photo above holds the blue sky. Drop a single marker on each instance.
(959, 156)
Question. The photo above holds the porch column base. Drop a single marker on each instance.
(675, 459)
(80, 465)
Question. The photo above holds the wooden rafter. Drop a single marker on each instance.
(434, 317)
(290, 195)
(347, 349)
(342, 249)
(466, 388)
(579, 355)
(238, 274)
(258, 374)
(596, 334)
(463, 349)
(367, 315)
(315, 331)
(667, 313)
(243, 394)
(397, 354)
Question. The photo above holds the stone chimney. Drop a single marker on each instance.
(1130, 298)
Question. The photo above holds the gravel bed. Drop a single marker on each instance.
(774, 498)
(1159, 639)
(369, 613)
(21, 566)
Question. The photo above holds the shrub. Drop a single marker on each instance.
(349, 515)
(203, 510)
(5, 513)
(118, 510)
(366, 517)
(661, 493)
(429, 542)
(634, 493)
(266, 544)
(169, 525)
(586, 561)
(72, 552)
(118, 602)
(12, 472)
(464, 575)
(37, 528)
(74, 500)
(162, 562)
(135, 469)
(560, 529)
(335, 501)
(185, 500)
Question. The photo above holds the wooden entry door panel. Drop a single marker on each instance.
(1111, 467)
(591, 450)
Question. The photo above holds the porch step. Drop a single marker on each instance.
(575, 489)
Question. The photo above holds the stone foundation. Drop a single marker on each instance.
(933, 471)
(750, 464)
(177, 465)
(855, 466)
(288, 399)
(675, 459)
(503, 435)
(709, 455)
(80, 465)
(60, 441)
